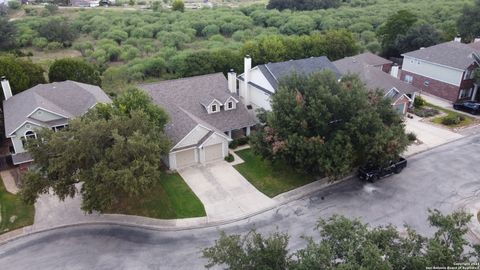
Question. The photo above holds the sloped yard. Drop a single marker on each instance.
(270, 178)
(171, 198)
(14, 213)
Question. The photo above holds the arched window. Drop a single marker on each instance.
(28, 135)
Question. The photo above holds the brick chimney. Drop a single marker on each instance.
(7, 91)
(232, 81)
(247, 66)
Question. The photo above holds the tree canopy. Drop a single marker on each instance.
(58, 30)
(8, 32)
(468, 23)
(73, 69)
(417, 37)
(22, 74)
(303, 4)
(320, 125)
(397, 24)
(112, 152)
(178, 5)
(349, 244)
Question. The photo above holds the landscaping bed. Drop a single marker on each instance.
(451, 118)
(14, 213)
(270, 178)
(170, 198)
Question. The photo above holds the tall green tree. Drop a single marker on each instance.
(22, 74)
(468, 24)
(397, 24)
(417, 37)
(112, 152)
(73, 69)
(349, 244)
(178, 5)
(58, 30)
(320, 125)
(8, 33)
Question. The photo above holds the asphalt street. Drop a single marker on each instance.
(445, 178)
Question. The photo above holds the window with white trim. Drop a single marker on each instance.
(29, 135)
(230, 105)
(57, 128)
(408, 79)
(214, 107)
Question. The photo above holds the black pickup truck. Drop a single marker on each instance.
(373, 173)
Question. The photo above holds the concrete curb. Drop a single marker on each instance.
(207, 224)
(282, 199)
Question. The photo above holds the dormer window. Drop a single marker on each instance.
(230, 105)
(214, 107)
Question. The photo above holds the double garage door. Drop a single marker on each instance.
(187, 157)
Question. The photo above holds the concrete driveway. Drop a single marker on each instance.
(430, 134)
(224, 192)
(437, 178)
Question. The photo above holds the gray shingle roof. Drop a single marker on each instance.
(370, 59)
(68, 99)
(373, 77)
(184, 98)
(275, 71)
(452, 54)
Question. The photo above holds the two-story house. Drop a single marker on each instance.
(44, 106)
(379, 74)
(445, 70)
(205, 114)
(257, 85)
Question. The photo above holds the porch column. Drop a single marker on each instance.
(230, 134)
(474, 94)
(248, 131)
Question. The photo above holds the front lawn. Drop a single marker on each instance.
(14, 213)
(171, 198)
(270, 178)
(456, 119)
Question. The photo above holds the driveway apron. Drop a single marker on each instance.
(224, 192)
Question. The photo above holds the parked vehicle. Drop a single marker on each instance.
(372, 173)
(467, 106)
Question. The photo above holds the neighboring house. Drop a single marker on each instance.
(444, 70)
(258, 84)
(205, 113)
(370, 69)
(45, 105)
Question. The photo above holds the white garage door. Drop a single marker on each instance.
(185, 158)
(213, 152)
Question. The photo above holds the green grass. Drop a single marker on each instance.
(438, 120)
(11, 205)
(170, 198)
(270, 178)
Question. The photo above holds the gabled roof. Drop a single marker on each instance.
(66, 99)
(275, 71)
(370, 59)
(451, 54)
(373, 77)
(184, 101)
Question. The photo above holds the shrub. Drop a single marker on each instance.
(419, 102)
(238, 142)
(52, 8)
(14, 4)
(411, 136)
(40, 42)
(229, 158)
(178, 5)
(53, 46)
(452, 119)
(425, 112)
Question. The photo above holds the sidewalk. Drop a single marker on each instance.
(430, 135)
(9, 182)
